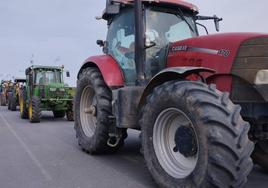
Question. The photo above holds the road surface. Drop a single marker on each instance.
(46, 155)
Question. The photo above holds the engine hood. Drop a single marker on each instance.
(212, 51)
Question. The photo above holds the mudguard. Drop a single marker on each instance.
(169, 74)
(110, 70)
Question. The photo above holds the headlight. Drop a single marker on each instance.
(52, 89)
(261, 77)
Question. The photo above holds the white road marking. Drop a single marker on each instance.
(27, 149)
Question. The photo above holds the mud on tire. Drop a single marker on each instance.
(223, 148)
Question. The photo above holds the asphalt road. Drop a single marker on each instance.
(47, 155)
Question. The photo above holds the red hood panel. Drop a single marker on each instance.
(213, 51)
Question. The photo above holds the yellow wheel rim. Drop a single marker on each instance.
(21, 106)
(30, 110)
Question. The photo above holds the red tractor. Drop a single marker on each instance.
(183, 91)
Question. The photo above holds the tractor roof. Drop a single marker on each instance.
(33, 67)
(46, 67)
(173, 2)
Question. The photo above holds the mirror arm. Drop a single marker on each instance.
(203, 27)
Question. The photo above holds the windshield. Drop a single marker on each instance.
(164, 26)
(169, 26)
(48, 77)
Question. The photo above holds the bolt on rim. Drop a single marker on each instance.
(172, 131)
(88, 111)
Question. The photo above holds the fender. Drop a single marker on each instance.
(110, 70)
(169, 74)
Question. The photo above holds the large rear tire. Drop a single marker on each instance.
(13, 102)
(70, 112)
(23, 105)
(9, 101)
(93, 106)
(194, 136)
(260, 154)
(34, 110)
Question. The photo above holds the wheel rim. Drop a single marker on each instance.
(88, 111)
(169, 129)
(30, 110)
(264, 146)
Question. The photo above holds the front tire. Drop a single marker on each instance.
(70, 112)
(34, 110)
(93, 106)
(9, 101)
(194, 136)
(13, 102)
(23, 105)
(3, 100)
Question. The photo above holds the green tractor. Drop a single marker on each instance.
(46, 91)
(14, 94)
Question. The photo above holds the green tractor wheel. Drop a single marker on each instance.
(59, 114)
(34, 110)
(23, 108)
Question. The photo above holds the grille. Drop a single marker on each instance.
(252, 57)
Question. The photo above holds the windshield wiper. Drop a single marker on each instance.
(181, 15)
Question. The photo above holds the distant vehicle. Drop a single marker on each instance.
(14, 94)
(45, 91)
(5, 88)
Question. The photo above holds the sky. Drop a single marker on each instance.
(64, 32)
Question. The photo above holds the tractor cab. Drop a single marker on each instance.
(161, 23)
(45, 90)
(45, 80)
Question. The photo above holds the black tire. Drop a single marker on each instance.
(260, 154)
(9, 101)
(35, 104)
(223, 157)
(23, 105)
(13, 102)
(97, 142)
(3, 100)
(70, 115)
(59, 114)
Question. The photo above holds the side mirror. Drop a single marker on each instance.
(68, 74)
(100, 43)
(217, 22)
